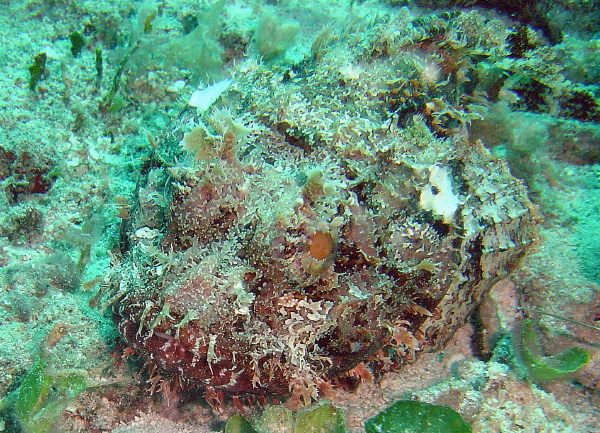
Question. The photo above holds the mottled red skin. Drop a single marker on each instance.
(170, 354)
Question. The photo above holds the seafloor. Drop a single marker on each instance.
(89, 87)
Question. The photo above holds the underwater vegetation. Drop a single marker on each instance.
(42, 397)
(319, 418)
(543, 368)
(405, 416)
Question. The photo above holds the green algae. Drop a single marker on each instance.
(407, 416)
(320, 418)
(42, 396)
(37, 70)
(239, 424)
(541, 367)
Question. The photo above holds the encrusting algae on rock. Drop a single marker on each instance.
(321, 239)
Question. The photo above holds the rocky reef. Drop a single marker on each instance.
(301, 239)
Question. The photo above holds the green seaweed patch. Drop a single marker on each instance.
(77, 43)
(319, 418)
(42, 397)
(239, 424)
(407, 416)
(541, 367)
(37, 70)
(324, 418)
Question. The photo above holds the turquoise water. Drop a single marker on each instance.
(376, 194)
